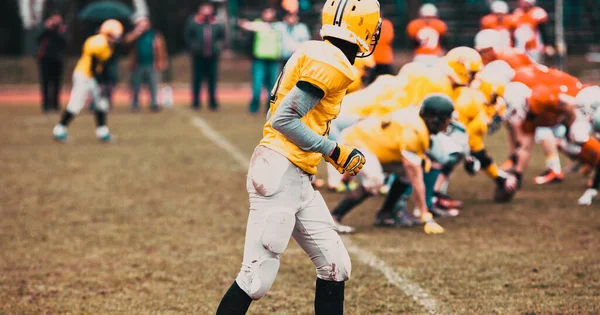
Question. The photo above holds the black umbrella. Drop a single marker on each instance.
(104, 10)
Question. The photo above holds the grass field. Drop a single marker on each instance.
(154, 224)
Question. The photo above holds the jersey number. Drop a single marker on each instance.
(428, 37)
(273, 98)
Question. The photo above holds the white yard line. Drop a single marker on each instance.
(409, 288)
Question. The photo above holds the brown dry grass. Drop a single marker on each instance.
(154, 224)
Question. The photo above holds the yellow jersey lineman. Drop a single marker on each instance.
(283, 203)
(396, 143)
(97, 49)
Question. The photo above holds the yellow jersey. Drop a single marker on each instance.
(325, 66)
(419, 86)
(97, 47)
(471, 112)
(389, 136)
(361, 64)
(365, 102)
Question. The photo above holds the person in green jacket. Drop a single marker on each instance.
(266, 53)
(204, 37)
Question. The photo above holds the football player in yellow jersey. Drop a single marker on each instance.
(283, 203)
(398, 143)
(470, 109)
(97, 50)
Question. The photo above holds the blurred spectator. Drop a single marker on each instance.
(428, 33)
(383, 54)
(500, 20)
(531, 33)
(293, 34)
(148, 60)
(266, 52)
(51, 59)
(205, 37)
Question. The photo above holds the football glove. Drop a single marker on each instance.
(431, 227)
(346, 159)
(587, 197)
(508, 181)
(472, 165)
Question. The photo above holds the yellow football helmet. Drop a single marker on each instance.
(411, 69)
(112, 28)
(464, 63)
(492, 80)
(355, 21)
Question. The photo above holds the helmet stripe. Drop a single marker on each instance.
(339, 12)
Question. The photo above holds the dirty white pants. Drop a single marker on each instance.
(84, 87)
(283, 204)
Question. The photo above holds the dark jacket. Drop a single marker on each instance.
(52, 44)
(195, 31)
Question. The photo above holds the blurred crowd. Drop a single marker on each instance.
(273, 36)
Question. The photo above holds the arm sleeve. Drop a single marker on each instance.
(286, 119)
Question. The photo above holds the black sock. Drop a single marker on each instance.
(234, 302)
(398, 188)
(329, 298)
(66, 118)
(351, 200)
(100, 118)
(596, 180)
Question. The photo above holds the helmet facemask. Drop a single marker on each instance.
(372, 44)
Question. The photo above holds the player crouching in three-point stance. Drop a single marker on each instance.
(96, 51)
(283, 203)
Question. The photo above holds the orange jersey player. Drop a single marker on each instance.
(501, 21)
(533, 75)
(530, 108)
(427, 32)
(488, 43)
(530, 30)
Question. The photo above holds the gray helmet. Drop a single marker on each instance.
(436, 111)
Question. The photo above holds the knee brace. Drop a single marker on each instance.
(483, 158)
(338, 266)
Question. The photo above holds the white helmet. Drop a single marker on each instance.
(587, 100)
(497, 71)
(428, 10)
(596, 120)
(516, 95)
(487, 38)
(499, 7)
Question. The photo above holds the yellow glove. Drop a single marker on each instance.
(346, 159)
(431, 227)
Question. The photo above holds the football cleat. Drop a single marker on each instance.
(60, 133)
(549, 177)
(445, 202)
(587, 197)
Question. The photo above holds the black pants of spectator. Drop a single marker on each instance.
(379, 70)
(51, 75)
(205, 68)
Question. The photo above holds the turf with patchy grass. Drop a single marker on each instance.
(155, 222)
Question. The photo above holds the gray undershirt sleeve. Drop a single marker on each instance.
(286, 120)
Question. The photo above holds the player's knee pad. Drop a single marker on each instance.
(544, 133)
(257, 278)
(338, 266)
(277, 232)
(449, 166)
(483, 158)
(102, 105)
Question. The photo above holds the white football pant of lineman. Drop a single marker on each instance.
(283, 204)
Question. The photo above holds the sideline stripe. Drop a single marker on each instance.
(409, 288)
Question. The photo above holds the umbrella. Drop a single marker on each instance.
(104, 10)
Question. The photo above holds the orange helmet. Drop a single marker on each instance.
(112, 28)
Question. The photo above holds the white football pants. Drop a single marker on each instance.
(283, 204)
(84, 87)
